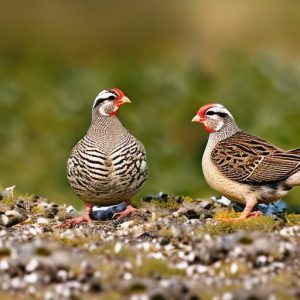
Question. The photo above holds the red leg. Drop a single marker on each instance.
(128, 211)
(78, 220)
(247, 212)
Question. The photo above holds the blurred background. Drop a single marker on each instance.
(170, 57)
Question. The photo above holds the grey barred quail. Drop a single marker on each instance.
(244, 167)
(108, 165)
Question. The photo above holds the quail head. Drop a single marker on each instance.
(244, 167)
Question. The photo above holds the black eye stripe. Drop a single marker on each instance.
(210, 113)
(100, 100)
(220, 114)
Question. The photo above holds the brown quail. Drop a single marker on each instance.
(244, 167)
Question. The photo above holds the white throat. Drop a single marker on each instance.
(102, 112)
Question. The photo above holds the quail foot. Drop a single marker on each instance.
(108, 165)
(244, 167)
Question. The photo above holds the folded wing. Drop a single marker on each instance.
(249, 159)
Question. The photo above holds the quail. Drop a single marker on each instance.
(108, 165)
(244, 167)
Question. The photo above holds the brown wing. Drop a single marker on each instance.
(249, 159)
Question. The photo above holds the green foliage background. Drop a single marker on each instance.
(169, 58)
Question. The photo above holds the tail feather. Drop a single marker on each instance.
(294, 151)
(294, 179)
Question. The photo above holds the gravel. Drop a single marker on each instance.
(173, 248)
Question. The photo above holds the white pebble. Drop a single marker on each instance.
(32, 290)
(127, 224)
(146, 246)
(190, 271)
(191, 257)
(118, 247)
(33, 231)
(261, 260)
(202, 269)
(127, 276)
(70, 209)
(157, 255)
(227, 296)
(42, 221)
(4, 265)
(139, 297)
(17, 283)
(182, 265)
(3, 232)
(32, 265)
(169, 247)
(31, 278)
(234, 267)
(49, 295)
(62, 275)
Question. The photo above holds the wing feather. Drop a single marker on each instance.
(249, 159)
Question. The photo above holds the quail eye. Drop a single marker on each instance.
(210, 113)
(222, 115)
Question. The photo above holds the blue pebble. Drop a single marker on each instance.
(106, 212)
(270, 209)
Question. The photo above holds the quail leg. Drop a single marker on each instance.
(78, 220)
(128, 211)
(247, 212)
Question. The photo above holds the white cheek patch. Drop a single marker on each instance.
(102, 111)
(219, 126)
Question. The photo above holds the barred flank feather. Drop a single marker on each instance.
(108, 165)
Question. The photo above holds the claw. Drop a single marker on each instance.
(72, 222)
(128, 211)
(242, 217)
(78, 220)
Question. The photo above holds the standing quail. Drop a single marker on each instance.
(244, 167)
(108, 165)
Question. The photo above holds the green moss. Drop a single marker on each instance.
(136, 202)
(152, 267)
(62, 215)
(38, 210)
(165, 232)
(262, 223)
(293, 219)
(225, 268)
(7, 201)
(226, 213)
(138, 287)
(169, 203)
(4, 252)
(41, 251)
(111, 295)
(187, 199)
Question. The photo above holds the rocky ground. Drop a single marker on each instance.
(174, 248)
